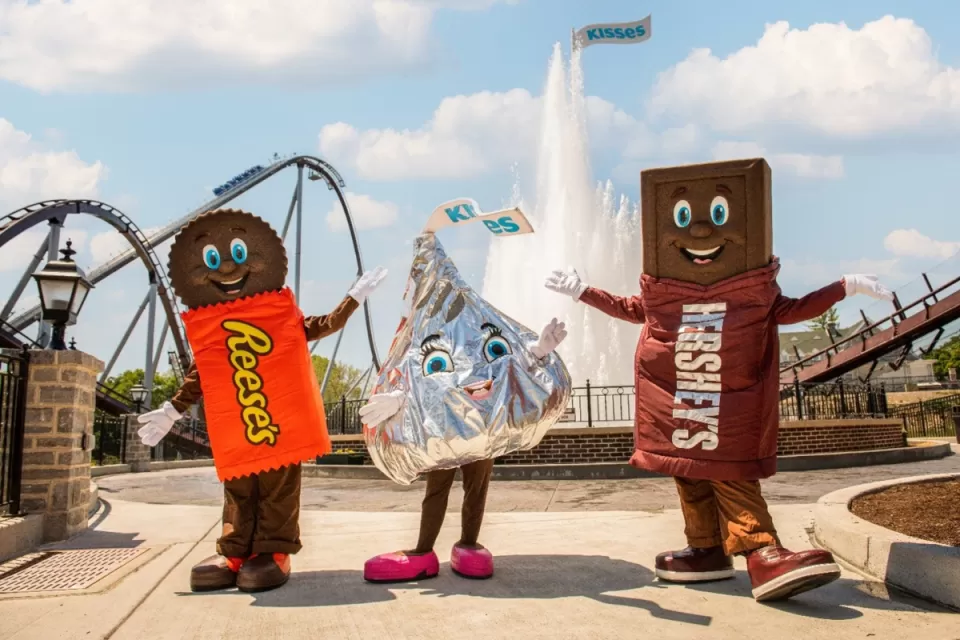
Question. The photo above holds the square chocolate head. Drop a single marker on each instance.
(703, 223)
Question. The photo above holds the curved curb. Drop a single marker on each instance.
(621, 470)
(926, 569)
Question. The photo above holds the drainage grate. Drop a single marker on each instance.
(62, 570)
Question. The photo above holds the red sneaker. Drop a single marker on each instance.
(778, 574)
(694, 565)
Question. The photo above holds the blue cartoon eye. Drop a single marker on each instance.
(681, 213)
(437, 361)
(211, 257)
(238, 250)
(495, 348)
(719, 210)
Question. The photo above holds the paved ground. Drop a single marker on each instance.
(573, 575)
(200, 487)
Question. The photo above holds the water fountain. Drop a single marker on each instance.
(580, 224)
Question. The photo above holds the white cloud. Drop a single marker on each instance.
(109, 45)
(829, 78)
(469, 135)
(795, 164)
(16, 254)
(30, 172)
(912, 243)
(367, 213)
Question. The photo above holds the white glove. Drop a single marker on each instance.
(566, 283)
(866, 284)
(365, 285)
(157, 423)
(550, 338)
(381, 407)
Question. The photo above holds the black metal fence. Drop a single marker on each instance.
(13, 406)
(188, 440)
(928, 418)
(832, 400)
(343, 417)
(109, 439)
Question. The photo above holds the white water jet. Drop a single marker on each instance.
(578, 223)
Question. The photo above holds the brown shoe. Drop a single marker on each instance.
(215, 573)
(694, 565)
(778, 574)
(264, 572)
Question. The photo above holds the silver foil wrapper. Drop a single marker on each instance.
(474, 391)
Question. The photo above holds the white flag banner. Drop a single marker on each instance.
(613, 33)
(508, 222)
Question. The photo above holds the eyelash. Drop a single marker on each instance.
(492, 331)
(433, 345)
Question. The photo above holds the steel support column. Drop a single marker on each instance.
(159, 351)
(25, 278)
(286, 222)
(123, 340)
(296, 276)
(333, 360)
(148, 369)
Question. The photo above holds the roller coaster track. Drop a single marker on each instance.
(900, 330)
(20, 220)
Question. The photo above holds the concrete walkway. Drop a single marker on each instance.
(581, 574)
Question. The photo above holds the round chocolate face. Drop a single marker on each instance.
(224, 255)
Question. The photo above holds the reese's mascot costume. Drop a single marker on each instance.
(261, 397)
(707, 366)
(462, 384)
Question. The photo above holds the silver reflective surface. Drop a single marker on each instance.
(473, 389)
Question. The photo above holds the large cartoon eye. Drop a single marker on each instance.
(211, 257)
(437, 361)
(495, 348)
(238, 250)
(719, 210)
(681, 214)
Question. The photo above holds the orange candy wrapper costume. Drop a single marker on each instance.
(262, 399)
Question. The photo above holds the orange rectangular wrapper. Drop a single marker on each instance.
(261, 396)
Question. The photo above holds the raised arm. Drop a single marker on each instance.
(317, 327)
(569, 283)
(792, 310)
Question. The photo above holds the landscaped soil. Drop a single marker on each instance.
(926, 510)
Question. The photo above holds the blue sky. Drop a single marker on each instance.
(860, 125)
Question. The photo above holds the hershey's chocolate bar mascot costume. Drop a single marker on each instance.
(463, 384)
(707, 366)
(261, 397)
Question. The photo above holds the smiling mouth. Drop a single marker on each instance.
(232, 287)
(479, 390)
(702, 256)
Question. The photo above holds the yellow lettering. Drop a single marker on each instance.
(244, 344)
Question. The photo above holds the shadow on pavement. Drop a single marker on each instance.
(517, 577)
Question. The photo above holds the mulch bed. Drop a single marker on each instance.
(926, 510)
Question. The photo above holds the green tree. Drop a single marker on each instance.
(947, 357)
(342, 378)
(825, 319)
(164, 384)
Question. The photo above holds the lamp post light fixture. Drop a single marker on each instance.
(63, 290)
(139, 394)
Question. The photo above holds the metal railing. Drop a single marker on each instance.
(832, 400)
(343, 417)
(928, 418)
(109, 439)
(14, 371)
(188, 440)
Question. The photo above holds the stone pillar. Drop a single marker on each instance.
(58, 439)
(135, 453)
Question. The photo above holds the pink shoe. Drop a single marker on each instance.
(400, 567)
(471, 563)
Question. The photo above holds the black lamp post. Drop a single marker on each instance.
(63, 290)
(139, 395)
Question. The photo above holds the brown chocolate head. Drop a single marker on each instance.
(704, 223)
(224, 255)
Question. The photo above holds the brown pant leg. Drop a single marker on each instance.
(700, 514)
(239, 517)
(434, 507)
(476, 480)
(278, 522)
(744, 516)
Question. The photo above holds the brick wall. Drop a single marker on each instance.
(615, 444)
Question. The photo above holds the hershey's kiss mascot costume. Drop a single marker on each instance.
(261, 398)
(707, 366)
(462, 384)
